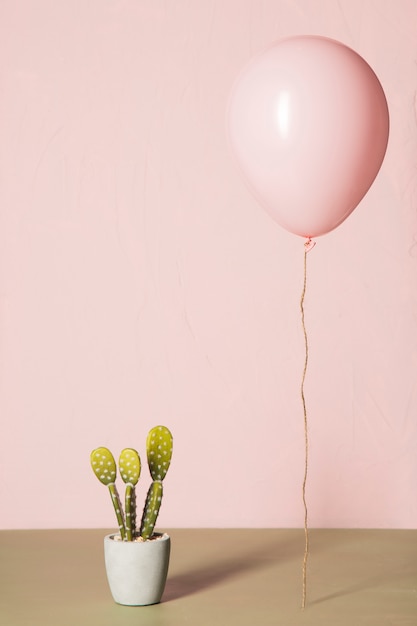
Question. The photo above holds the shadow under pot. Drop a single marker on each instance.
(137, 570)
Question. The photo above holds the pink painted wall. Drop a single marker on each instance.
(141, 283)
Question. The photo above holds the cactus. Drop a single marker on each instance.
(159, 453)
(104, 467)
(129, 466)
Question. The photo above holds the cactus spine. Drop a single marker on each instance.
(159, 453)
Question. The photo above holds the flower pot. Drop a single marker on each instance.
(137, 571)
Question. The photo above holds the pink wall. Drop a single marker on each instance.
(141, 283)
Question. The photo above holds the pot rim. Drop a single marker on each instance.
(156, 538)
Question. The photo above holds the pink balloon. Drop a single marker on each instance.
(308, 121)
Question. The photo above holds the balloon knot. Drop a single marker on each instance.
(309, 244)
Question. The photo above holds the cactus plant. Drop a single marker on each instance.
(159, 453)
(129, 464)
(104, 467)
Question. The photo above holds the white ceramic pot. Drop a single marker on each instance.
(137, 571)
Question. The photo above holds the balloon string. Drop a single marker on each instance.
(307, 246)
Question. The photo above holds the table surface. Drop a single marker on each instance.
(217, 578)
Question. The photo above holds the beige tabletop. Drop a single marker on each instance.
(217, 578)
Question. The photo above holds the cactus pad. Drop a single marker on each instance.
(159, 451)
(103, 465)
(129, 466)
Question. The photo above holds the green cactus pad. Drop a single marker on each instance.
(103, 465)
(129, 466)
(151, 510)
(159, 451)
